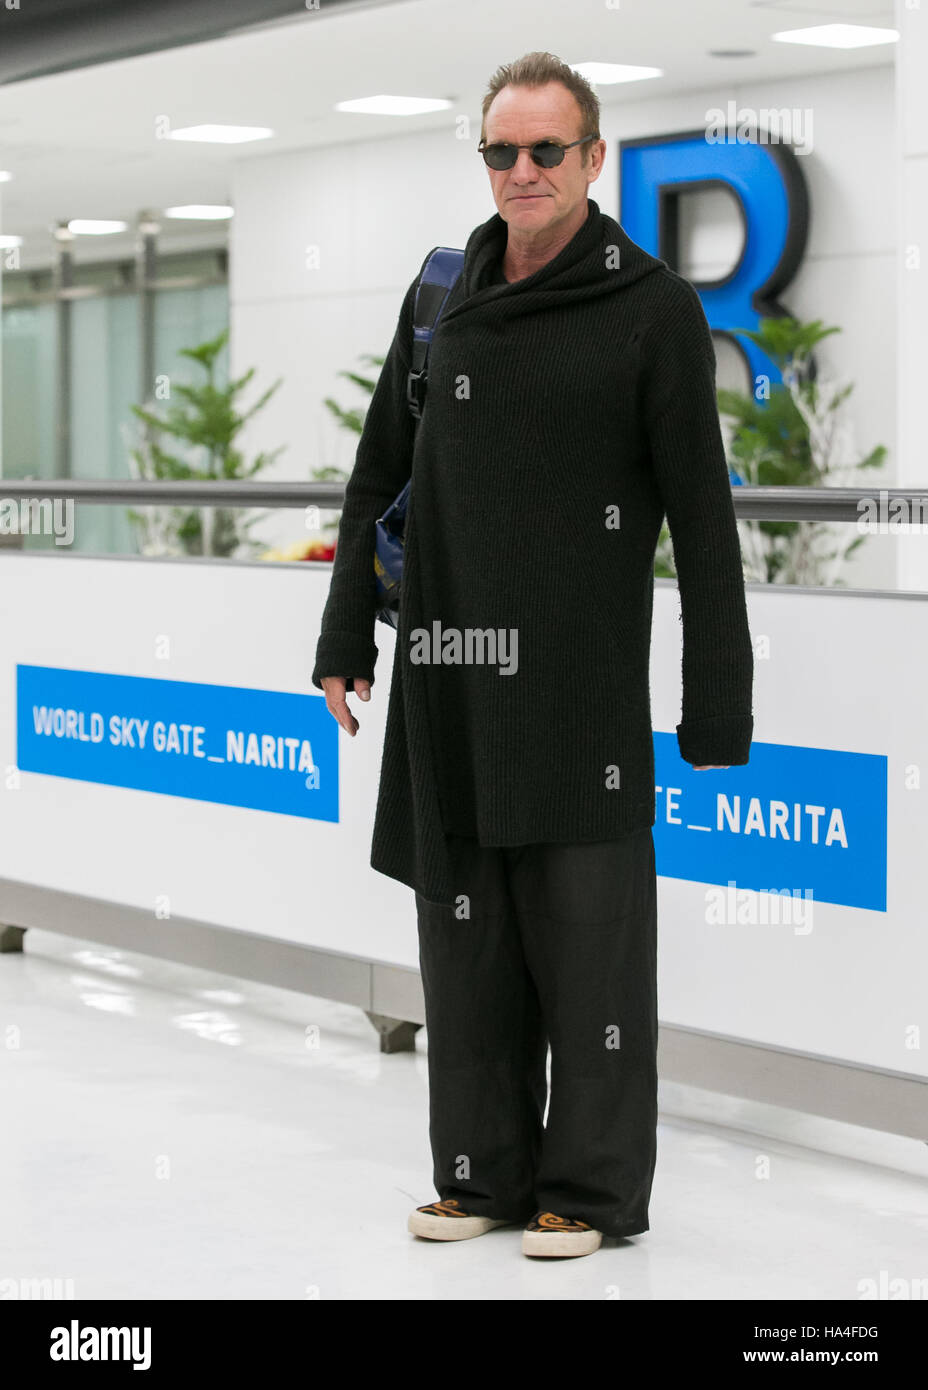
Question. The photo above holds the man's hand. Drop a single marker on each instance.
(335, 690)
(710, 767)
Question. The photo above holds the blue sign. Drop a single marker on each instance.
(801, 820)
(264, 749)
(770, 191)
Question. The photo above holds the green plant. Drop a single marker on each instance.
(789, 435)
(351, 419)
(207, 420)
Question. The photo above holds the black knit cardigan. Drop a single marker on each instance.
(566, 414)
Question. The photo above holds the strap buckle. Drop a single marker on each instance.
(415, 392)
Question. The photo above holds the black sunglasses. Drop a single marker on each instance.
(547, 154)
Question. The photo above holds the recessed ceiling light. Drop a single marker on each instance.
(8, 242)
(605, 73)
(200, 212)
(222, 134)
(5, 176)
(838, 36)
(83, 226)
(393, 106)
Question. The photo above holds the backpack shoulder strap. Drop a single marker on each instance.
(439, 275)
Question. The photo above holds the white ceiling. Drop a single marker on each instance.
(83, 144)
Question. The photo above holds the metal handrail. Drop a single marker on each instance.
(750, 503)
(194, 494)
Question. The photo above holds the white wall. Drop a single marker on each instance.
(374, 209)
(834, 980)
(911, 170)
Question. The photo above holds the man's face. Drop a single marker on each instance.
(528, 197)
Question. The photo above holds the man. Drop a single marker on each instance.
(570, 405)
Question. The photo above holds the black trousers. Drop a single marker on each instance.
(547, 943)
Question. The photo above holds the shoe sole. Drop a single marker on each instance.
(561, 1243)
(451, 1227)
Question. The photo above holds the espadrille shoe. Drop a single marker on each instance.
(547, 1234)
(446, 1221)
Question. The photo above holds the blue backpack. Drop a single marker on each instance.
(436, 282)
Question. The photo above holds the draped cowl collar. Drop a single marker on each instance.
(599, 259)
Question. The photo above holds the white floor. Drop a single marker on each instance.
(172, 1134)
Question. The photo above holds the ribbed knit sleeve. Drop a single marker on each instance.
(689, 465)
(383, 463)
